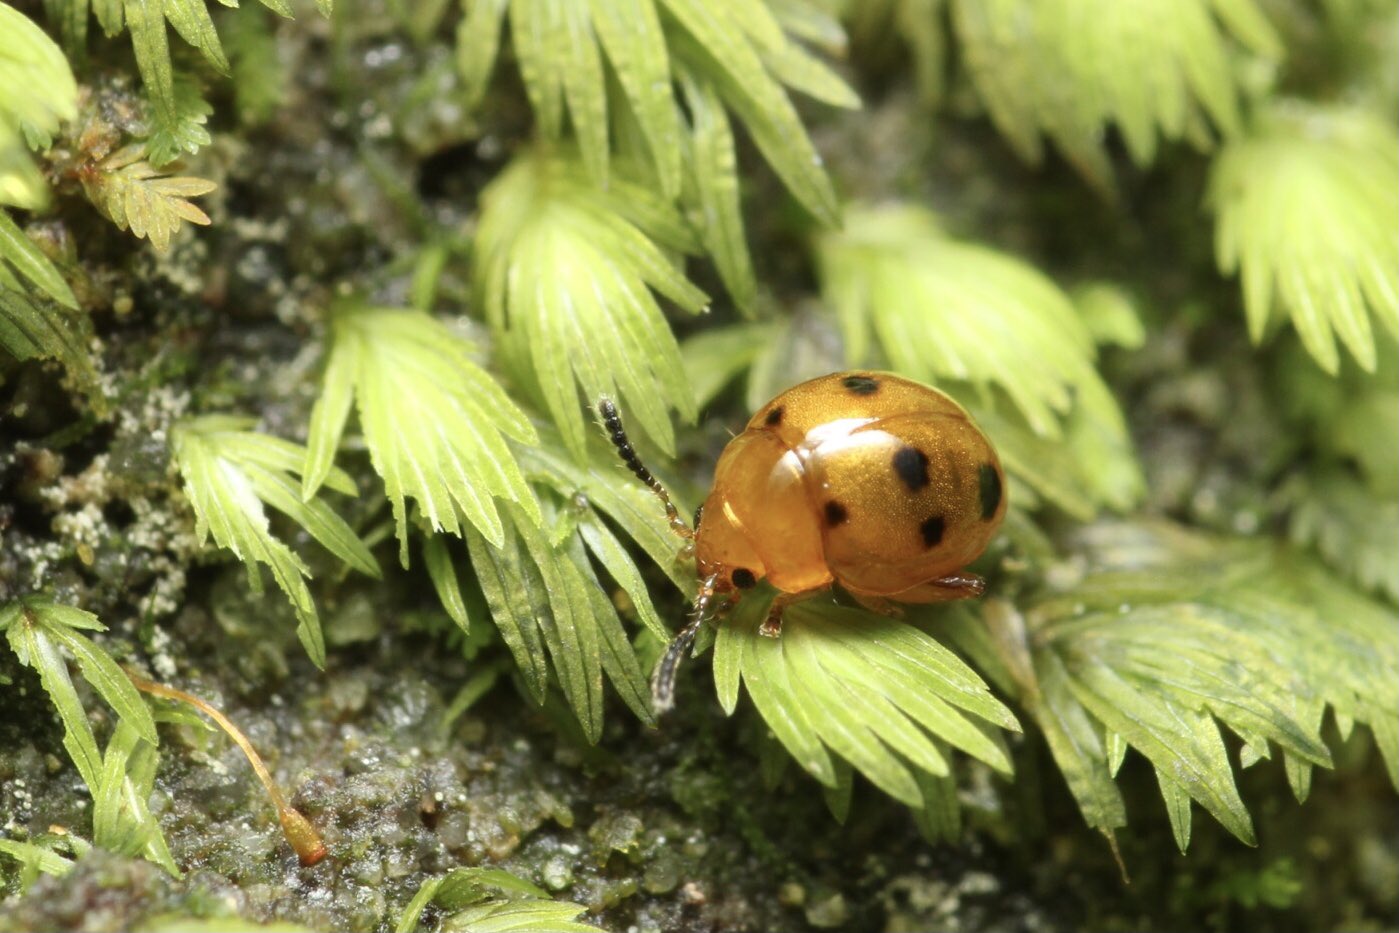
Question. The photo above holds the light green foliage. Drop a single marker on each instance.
(260, 78)
(490, 900)
(37, 92)
(1173, 634)
(735, 49)
(1355, 530)
(548, 607)
(945, 311)
(435, 423)
(1070, 68)
(230, 473)
(39, 315)
(177, 111)
(543, 587)
(42, 634)
(876, 692)
(566, 272)
(183, 131)
(1308, 215)
(712, 190)
(138, 197)
(1346, 499)
(34, 860)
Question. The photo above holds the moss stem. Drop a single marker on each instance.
(298, 830)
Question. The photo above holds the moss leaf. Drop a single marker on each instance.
(965, 317)
(1173, 634)
(138, 197)
(1355, 530)
(1308, 215)
(434, 421)
(230, 472)
(1070, 68)
(37, 92)
(874, 691)
(181, 128)
(42, 633)
(941, 309)
(713, 166)
(35, 859)
(566, 274)
(547, 603)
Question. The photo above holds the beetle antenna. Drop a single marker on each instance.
(663, 681)
(618, 435)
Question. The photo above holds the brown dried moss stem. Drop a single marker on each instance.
(298, 830)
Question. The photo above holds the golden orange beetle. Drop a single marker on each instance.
(865, 479)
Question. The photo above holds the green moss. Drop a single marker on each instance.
(356, 161)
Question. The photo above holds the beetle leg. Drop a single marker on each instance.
(772, 625)
(943, 589)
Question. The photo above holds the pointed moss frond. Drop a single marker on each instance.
(37, 92)
(1069, 69)
(737, 48)
(1354, 529)
(121, 817)
(741, 49)
(1091, 466)
(20, 254)
(42, 635)
(182, 129)
(602, 487)
(1308, 215)
(874, 691)
(948, 312)
(175, 116)
(35, 859)
(260, 77)
(1172, 635)
(39, 316)
(566, 274)
(138, 197)
(711, 174)
(549, 586)
(435, 423)
(945, 309)
(32, 328)
(1351, 419)
(230, 474)
(491, 900)
(552, 612)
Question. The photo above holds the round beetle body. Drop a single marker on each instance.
(869, 480)
(865, 479)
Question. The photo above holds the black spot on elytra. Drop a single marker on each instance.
(774, 417)
(912, 466)
(835, 513)
(989, 483)
(932, 530)
(743, 578)
(861, 385)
